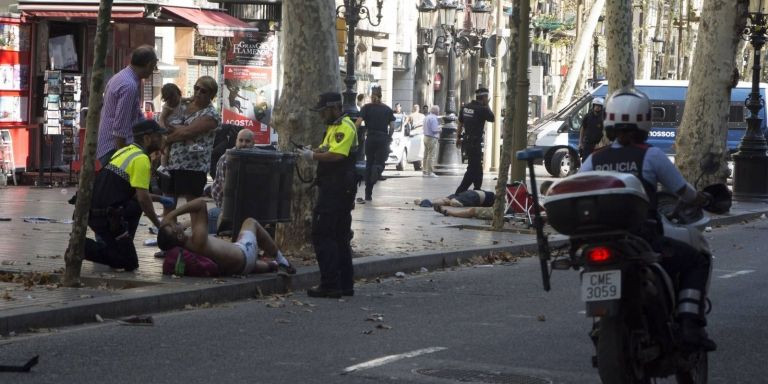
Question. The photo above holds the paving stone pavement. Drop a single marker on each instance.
(391, 228)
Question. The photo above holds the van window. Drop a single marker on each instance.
(736, 114)
(578, 115)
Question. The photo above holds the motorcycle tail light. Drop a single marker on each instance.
(599, 255)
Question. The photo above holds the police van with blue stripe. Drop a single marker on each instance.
(558, 135)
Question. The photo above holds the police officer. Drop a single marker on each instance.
(120, 195)
(591, 131)
(628, 117)
(473, 116)
(332, 218)
(379, 122)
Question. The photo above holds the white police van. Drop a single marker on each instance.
(558, 136)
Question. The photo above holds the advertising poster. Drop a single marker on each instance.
(13, 109)
(247, 99)
(14, 73)
(252, 48)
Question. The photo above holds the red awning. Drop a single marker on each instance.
(208, 22)
(82, 15)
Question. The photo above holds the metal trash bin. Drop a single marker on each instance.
(258, 184)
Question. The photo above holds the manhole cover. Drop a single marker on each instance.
(470, 376)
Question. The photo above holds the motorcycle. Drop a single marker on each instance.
(630, 296)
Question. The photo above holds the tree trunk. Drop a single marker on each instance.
(620, 66)
(643, 49)
(704, 127)
(657, 37)
(73, 257)
(311, 68)
(507, 143)
(668, 49)
(421, 83)
(583, 45)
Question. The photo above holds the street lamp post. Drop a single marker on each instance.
(352, 11)
(750, 163)
(596, 48)
(455, 41)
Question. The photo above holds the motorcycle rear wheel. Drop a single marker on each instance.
(698, 374)
(614, 358)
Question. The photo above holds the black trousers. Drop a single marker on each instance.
(376, 154)
(115, 247)
(685, 264)
(332, 234)
(474, 173)
(586, 150)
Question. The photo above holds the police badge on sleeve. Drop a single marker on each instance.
(339, 136)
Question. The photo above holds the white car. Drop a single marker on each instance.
(407, 147)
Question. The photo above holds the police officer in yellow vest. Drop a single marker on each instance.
(337, 187)
(120, 195)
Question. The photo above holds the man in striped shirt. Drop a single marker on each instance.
(122, 103)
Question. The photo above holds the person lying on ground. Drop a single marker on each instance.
(239, 258)
(482, 213)
(469, 198)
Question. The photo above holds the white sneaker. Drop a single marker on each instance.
(433, 175)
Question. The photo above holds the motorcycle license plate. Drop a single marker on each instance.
(602, 285)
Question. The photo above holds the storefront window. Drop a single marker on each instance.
(205, 45)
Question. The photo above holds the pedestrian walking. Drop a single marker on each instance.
(122, 103)
(192, 141)
(591, 131)
(431, 135)
(380, 125)
(337, 187)
(120, 195)
(473, 117)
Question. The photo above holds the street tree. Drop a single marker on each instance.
(704, 127)
(507, 146)
(73, 257)
(620, 65)
(582, 48)
(311, 67)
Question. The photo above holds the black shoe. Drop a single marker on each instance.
(360, 200)
(287, 269)
(324, 292)
(382, 178)
(694, 335)
(347, 292)
(368, 198)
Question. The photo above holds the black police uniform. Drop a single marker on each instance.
(332, 218)
(115, 212)
(592, 126)
(377, 117)
(473, 117)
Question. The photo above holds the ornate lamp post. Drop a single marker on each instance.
(455, 41)
(750, 163)
(352, 11)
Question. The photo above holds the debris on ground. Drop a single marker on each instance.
(400, 274)
(21, 368)
(137, 320)
(383, 326)
(376, 317)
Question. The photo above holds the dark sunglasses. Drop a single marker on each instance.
(200, 89)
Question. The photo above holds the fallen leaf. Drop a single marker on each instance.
(99, 318)
(273, 304)
(367, 332)
(383, 326)
(375, 317)
(541, 318)
(282, 321)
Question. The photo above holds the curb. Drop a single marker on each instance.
(169, 297)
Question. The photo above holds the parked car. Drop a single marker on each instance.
(558, 136)
(407, 146)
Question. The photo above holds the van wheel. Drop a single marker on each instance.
(417, 165)
(401, 164)
(563, 163)
(548, 164)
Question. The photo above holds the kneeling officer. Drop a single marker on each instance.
(337, 185)
(120, 194)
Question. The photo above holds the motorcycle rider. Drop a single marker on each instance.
(628, 119)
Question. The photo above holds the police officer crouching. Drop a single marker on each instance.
(120, 195)
(473, 117)
(337, 187)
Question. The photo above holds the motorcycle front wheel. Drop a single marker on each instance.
(614, 357)
(699, 372)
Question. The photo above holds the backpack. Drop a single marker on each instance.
(194, 264)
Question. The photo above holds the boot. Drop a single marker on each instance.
(693, 334)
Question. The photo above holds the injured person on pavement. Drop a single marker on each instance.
(238, 258)
(470, 204)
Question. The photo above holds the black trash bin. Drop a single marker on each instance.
(258, 184)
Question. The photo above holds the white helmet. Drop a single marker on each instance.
(628, 108)
(598, 101)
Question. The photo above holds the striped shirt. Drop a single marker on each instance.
(121, 110)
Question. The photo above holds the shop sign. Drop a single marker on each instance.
(252, 48)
